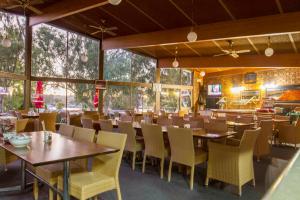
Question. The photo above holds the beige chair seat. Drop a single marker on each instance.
(200, 156)
(91, 182)
(48, 172)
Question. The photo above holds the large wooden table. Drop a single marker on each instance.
(61, 149)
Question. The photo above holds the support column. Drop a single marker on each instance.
(157, 95)
(28, 46)
(101, 77)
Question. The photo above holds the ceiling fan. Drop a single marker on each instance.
(25, 4)
(232, 52)
(103, 29)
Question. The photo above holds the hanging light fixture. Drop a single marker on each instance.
(192, 35)
(114, 2)
(6, 42)
(175, 63)
(269, 51)
(202, 73)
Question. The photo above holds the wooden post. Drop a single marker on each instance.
(101, 77)
(157, 95)
(28, 45)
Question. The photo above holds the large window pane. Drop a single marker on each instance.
(79, 68)
(12, 27)
(49, 51)
(117, 66)
(169, 100)
(143, 99)
(170, 76)
(186, 98)
(186, 77)
(81, 96)
(11, 95)
(143, 69)
(117, 98)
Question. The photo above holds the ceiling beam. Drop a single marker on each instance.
(252, 27)
(278, 60)
(65, 8)
(235, 72)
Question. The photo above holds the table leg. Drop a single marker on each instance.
(23, 175)
(66, 175)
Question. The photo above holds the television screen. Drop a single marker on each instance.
(214, 90)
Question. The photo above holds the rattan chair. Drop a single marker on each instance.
(164, 121)
(87, 123)
(49, 120)
(232, 164)
(154, 145)
(289, 134)
(178, 121)
(106, 125)
(262, 146)
(21, 125)
(105, 172)
(216, 126)
(50, 172)
(183, 151)
(132, 145)
(66, 130)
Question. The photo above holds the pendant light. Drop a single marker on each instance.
(6, 42)
(202, 73)
(175, 63)
(114, 2)
(269, 51)
(192, 35)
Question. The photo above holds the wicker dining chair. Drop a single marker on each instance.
(66, 130)
(132, 144)
(232, 164)
(87, 122)
(154, 145)
(49, 120)
(105, 171)
(50, 172)
(164, 121)
(21, 125)
(262, 146)
(289, 134)
(183, 151)
(217, 126)
(106, 125)
(178, 121)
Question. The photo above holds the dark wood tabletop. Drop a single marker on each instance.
(60, 149)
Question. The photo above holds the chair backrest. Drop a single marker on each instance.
(91, 116)
(154, 141)
(164, 121)
(218, 126)
(66, 130)
(106, 125)
(196, 122)
(266, 128)
(182, 146)
(178, 121)
(248, 140)
(87, 123)
(288, 133)
(244, 120)
(49, 120)
(127, 128)
(110, 163)
(126, 118)
(84, 134)
(75, 120)
(21, 125)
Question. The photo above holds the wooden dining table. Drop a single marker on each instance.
(60, 149)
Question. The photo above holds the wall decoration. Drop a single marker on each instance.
(250, 78)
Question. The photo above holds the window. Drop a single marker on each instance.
(11, 95)
(81, 96)
(143, 69)
(143, 99)
(186, 98)
(117, 98)
(12, 58)
(186, 77)
(169, 100)
(170, 76)
(58, 53)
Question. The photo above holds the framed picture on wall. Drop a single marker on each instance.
(250, 78)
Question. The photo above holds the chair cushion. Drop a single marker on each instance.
(200, 156)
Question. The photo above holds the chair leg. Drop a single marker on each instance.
(162, 162)
(35, 189)
(118, 190)
(206, 181)
(240, 190)
(192, 177)
(144, 163)
(253, 182)
(50, 194)
(133, 160)
(170, 170)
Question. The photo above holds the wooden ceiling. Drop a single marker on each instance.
(136, 17)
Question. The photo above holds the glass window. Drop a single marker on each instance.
(143, 69)
(186, 77)
(143, 99)
(12, 57)
(186, 98)
(11, 95)
(49, 51)
(169, 100)
(81, 48)
(117, 98)
(170, 76)
(117, 66)
(81, 96)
